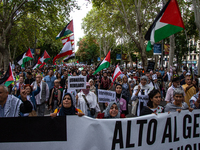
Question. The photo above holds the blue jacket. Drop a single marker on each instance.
(32, 97)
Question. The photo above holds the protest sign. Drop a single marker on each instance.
(106, 96)
(157, 49)
(76, 82)
(173, 131)
(150, 66)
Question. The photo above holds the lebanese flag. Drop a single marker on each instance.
(68, 38)
(168, 22)
(104, 64)
(116, 73)
(66, 50)
(26, 56)
(8, 78)
(44, 58)
(67, 30)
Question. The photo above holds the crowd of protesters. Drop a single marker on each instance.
(45, 91)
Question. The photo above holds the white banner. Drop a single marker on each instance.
(76, 82)
(106, 96)
(174, 131)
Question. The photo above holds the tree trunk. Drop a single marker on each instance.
(1, 59)
(130, 59)
(6, 59)
(139, 43)
(171, 52)
(196, 6)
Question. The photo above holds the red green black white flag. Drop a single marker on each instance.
(8, 78)
(168, 22)
(67, 30)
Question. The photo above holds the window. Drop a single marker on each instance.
(190, 57)
(184, 57)
(194, 57)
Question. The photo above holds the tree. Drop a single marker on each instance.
(135, 17)
(13, 14)
(88, 50)
(196, 6)
(96, 24)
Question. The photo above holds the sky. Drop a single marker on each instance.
(77, 16)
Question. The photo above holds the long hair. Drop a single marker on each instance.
(151, 95)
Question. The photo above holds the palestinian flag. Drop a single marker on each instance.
(72, 56)
(44, 58)
(67, 30)
(8, 78)
(168, 22)
(26, 56)
(54, 65)
(66, 50)
(38, 64)
(104, 64)
(117, 72)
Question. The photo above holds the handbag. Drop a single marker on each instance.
(92, 110)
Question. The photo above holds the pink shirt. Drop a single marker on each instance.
(122, 103)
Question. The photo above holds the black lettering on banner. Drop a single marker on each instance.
(168, 127)
(195, 146)
(180, 148)
(175, 130)
(128, 134)
(188, 134)
(188, 147)
(149, 141)
(141, 122)
(196, 125)
(118, 128)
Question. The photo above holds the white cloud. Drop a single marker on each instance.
(77, 16)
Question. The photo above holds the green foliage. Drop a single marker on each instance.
(36, 24)
(88, 50)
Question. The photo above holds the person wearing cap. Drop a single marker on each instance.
(141, 92)
(175, 84)
(189, 89)
(155, 83)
